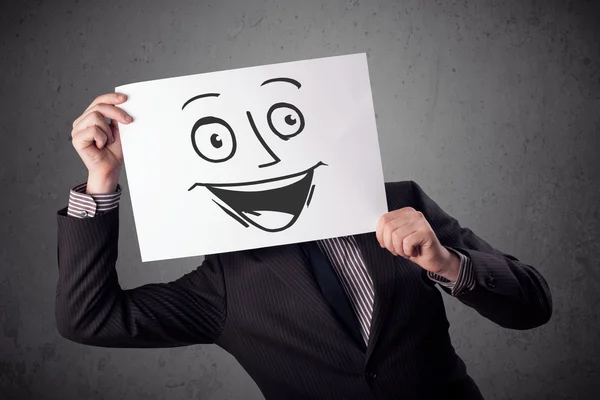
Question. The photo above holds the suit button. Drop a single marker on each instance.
(371, 375)
(489, 281)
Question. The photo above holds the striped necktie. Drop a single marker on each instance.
(349, 265)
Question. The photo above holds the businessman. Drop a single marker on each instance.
(355, 317)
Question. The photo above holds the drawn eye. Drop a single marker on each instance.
(285, 120)
(213, 139)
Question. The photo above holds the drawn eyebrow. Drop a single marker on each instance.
(288, 80)
(200, 96)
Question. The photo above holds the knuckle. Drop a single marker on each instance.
(95, 114)
(99, 119)
(76, 142)
(394, 236)
(387, 229)
(414, 239)
(402, 240)
(95, 110)
(97, 131)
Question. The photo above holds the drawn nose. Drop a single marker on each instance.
(262, 141)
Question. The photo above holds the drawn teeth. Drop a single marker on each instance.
(269, 219)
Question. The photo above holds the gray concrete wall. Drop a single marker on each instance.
(492, 106)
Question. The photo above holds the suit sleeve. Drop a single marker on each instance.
(506, 291)
(92, 308)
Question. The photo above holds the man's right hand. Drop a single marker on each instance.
(98, 143)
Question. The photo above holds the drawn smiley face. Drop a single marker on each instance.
(272, 204)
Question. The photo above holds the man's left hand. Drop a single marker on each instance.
(406, 232)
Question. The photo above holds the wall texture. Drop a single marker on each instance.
(492, 106)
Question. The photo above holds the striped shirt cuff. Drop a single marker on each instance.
(83, 205)
(466, 276)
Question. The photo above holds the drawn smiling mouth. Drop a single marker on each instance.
(270, 204)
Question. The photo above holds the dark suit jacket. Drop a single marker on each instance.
(265, 308)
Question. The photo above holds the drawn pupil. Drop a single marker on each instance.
(215, 141)
(289, 120)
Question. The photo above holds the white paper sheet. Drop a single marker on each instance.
(206, 156)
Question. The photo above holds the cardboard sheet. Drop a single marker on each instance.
(253, 157)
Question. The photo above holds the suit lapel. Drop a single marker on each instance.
(381, 265)
(291, 265)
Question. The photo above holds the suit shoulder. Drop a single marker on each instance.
(400, 194)
(398, 186)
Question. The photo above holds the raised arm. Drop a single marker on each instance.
(506, 291)
(91, 307)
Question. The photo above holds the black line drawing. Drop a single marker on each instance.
(208, 138)
(320, 163)
(312, 190)
(200, 96)
(288, 80)
(290, 120)
(262, 141)
(232, 215)
(247, 202)
(272, 204)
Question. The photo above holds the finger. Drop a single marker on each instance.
(401, 229)
(386, 238)
(393, 234)
(397, 239)
(116, 149)
(402, 226)
(379, 229)
(411, 244)
(114, 126)
(401, 213)
(107, 111)
(95, 118)
(391, 246)
(108, 98)
(88, 137)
